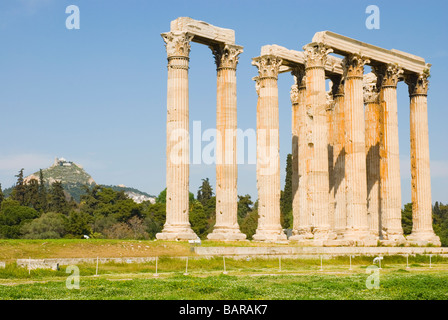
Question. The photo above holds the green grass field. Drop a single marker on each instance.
(245, 279)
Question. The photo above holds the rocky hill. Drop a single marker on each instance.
(74, 177)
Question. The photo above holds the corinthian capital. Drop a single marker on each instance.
(226, 55)
(298, 72)
(353, 65)
(316, 54)
(388, 75)
(418, 84)
(337, 85)
(177, 43)
(370, 89)
(268, 66)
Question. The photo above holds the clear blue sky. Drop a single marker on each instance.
(97, 96)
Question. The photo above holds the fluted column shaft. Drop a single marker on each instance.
(372, 116)
(330, 152)
(268, 158)
(301, 218)
(317, 140)
(226, 226)
(177, 225)
(390, 185)
(422, 229)
(355, 158)
(340, 209)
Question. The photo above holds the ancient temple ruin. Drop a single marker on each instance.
(346, 169)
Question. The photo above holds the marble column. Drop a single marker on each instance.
(340, 209)
(301, 219)
(226, 226)
(268, 158)
(177, 225)
(422, 230)
(355, 149)
(372, 118)
(390, 184)
(317, 140)
(330, 147)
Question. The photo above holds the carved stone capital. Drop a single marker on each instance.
(353, 65)
(388, 75)
(294, 94)
(418, 84)
(298, 72)
(337, 86)
(316, 55)
(371, 93)
(257, 85)
(268, 66)
(177, 44)
(226, 55)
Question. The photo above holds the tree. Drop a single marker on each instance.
(138, 227)
(32, 194)
(244, 206)
(161, 198)
(18, 193)
(249, 224)
(12, 217)
(286, 196)
(205, 191)
(43, 203)
(78, 224)
(2, 196)
(58, 202)
(406, 218)
(49, 225)
(198, 219)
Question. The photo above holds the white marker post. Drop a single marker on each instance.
(29, 265)
(156, 274)
(186, 268)
(407, 261)
(350, 262)
(96, 274)
(321, 268)
(280, 264)
(224, 259)
(430, 256)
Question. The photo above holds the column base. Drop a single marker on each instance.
(424, 239)
(226, 234)
(301, 234)
(177, 232)
(393, 236)
(270, 235)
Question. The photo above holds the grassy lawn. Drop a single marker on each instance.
(396, 285)
(10, 250)
(253, 279)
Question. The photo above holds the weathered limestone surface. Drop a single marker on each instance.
(268, 159)
(345, 45)
(177, 225)
(372, 118)
(339, 187)
(203, 32)
(422, 230)
(317, 139)
(355, 150)
(301, 218)
(226, 227)
(390, 187)
(292, 58)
